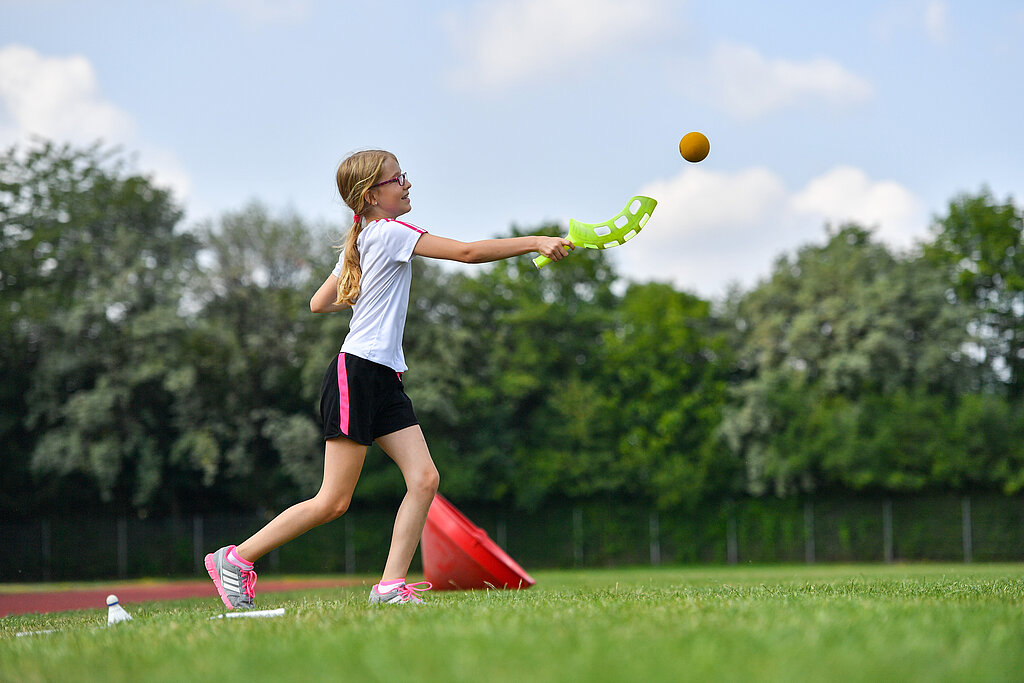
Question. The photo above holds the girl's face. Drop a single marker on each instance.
(392, 193)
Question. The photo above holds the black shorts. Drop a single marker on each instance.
(363, 400)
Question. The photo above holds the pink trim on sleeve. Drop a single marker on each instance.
(411, 226)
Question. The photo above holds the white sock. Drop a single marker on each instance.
(238, 559)
(387, 586)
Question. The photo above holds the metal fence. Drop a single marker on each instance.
(596, 533)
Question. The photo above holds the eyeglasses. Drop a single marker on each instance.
(400, 179)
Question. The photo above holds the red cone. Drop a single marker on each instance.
(458, 555)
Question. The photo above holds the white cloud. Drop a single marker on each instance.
(55, 98)
(268, 12)
(504, 42)
(936, 21)
(745, 84)
(59, 98)
(900, 20)
(711, 229)
(846, 194)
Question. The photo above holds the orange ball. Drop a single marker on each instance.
(694, 147)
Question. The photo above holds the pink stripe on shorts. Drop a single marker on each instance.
(343, 407)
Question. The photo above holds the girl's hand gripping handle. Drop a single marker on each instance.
(563, 245)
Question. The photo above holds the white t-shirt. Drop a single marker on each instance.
(378, 316)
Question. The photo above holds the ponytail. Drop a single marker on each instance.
(351, 270)
(356, 175)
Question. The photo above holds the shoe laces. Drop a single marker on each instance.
(249, 584)
(408, 591)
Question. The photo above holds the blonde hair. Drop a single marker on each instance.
(356, 175)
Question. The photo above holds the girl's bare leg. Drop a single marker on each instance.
(343, 461)
(408, 449)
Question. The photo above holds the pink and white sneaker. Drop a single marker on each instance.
(401, 594)
(235, 584)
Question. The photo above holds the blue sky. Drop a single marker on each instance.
(524, 111)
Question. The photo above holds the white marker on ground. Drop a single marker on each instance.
(264, 613)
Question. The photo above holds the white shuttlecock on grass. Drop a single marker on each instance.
(115, 613)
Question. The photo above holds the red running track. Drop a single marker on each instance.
(128, 593)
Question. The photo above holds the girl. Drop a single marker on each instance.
(362, 399)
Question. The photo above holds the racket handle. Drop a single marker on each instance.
(542, 260)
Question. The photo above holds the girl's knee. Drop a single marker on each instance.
(426, 482)
(328, 510)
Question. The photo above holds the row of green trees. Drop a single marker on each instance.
(154, 367)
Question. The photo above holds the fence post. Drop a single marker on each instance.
(577, 536)
(198, 557)
(122, 547)
(731, 544)
(655, 539)
(350, 547)
(46, 534)
(887, 541)
(809, 532)
(501, 533)
(965, 513)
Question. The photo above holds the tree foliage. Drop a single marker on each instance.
(981, 244)
(149, 365)
(91, 274)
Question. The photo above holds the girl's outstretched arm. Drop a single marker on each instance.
(485, 251)
(323, 300)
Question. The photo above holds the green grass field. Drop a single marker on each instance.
(861, 623)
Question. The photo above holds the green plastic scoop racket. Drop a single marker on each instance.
(612, 232)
